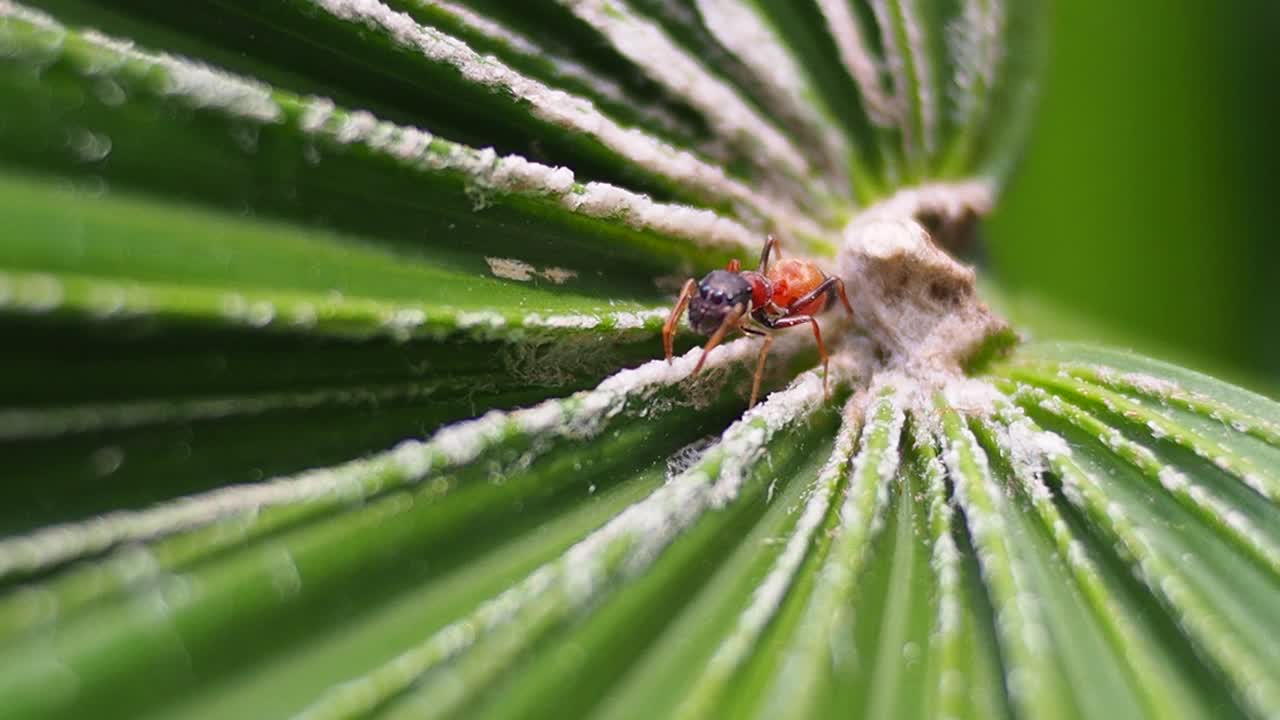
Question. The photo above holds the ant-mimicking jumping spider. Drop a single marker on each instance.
(790, 293)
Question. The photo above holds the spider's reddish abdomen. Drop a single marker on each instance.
(792, 279)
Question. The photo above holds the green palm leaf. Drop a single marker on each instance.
(329, 388)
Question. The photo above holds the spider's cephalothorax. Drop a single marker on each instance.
(755, 302)
(718, 294)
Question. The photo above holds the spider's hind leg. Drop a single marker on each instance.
(770, 247)
(764, 354)
(794, 320)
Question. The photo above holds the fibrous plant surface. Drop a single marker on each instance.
(330, 380)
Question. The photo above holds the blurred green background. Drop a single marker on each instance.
(1146, 200)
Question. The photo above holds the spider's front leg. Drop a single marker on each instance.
(673, 320)
(730, 322)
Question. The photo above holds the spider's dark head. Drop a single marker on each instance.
(718, 293)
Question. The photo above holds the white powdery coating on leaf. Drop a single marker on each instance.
(560, 108)
(611, 202)
(1162, 426)
(195, 82)
(769, 594)
(1173, 479)
(860, 519)
(563, 67)
(623, 547)
(759, 424)
(1148, 384)
(926, 84)
(1196, 496)
(637, 320)
(481, 318)
(1027, 449)
(410, 462)
(645, 43)
(740, 29)
(1146, 659)
(882, 107)
(974, 41)
(486, 26)
(575, 321)
(887, 466)
(35, 17)
(1017, 609)
(896, 62)
(17, 422)
(1161, 574)
(945, 558)
(328, 313)
(403, 321)
(651, 524)
(971, 396)
(517, 174)
(486, 172)
(31, 292)
(59, 543)
(1171, 393)
(489, 175)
